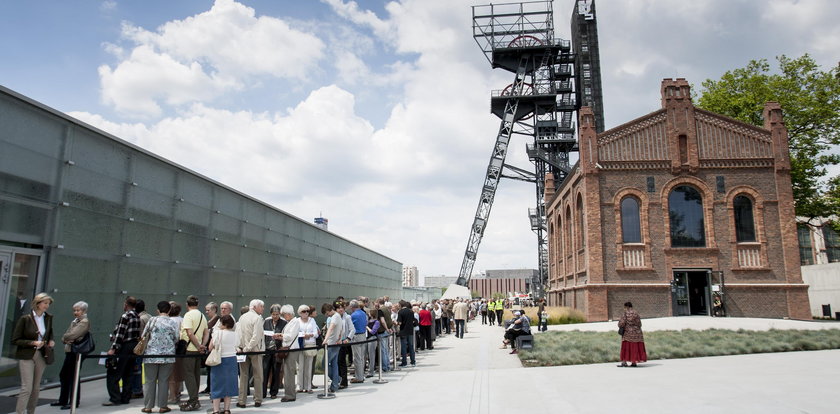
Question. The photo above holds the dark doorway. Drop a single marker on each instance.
(698, 293)
(690, 292)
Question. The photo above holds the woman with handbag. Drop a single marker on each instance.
(159, 337)
(78, 330)
(33, 337)
(224, 383)
(306, 339)
(632, 340)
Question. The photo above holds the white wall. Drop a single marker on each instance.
(824, 286)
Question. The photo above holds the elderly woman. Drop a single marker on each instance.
(521, 325)
(163, 334)
(632, 340)
(33, 337)
(308, 332)
(77, 329)
(289, 337)
(224, 383)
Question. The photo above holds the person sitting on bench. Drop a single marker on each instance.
(520, 325)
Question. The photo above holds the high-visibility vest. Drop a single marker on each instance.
(491, 306)
(500, 305)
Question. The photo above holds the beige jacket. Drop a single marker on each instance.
(461, 309)
(251, 332)
(77, 329)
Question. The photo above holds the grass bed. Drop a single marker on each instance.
(576, 347)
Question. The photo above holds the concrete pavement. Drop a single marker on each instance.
(472, 375)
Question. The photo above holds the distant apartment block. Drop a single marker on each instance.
(411, 276)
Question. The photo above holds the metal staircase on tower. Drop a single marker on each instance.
(540, 105)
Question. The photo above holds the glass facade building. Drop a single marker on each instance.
(87, 216)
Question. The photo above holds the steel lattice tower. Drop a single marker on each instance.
(540, 104)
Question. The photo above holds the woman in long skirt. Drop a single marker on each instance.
(632, 341)
(224, 382)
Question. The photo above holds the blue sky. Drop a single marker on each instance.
(375, 113)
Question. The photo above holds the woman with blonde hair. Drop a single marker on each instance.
(33, 337)
(307, 339)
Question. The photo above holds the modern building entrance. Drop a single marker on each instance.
(19, 274)
(691, 292)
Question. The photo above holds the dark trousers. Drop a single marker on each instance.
(272, 371)
(459, 328)
(343, 353)
(499, 313)
(483, 317)
(512, 334)
(425, 337)
(438, 326)
(492, 316)
(123, 371)
(68, 371)
(445, 321)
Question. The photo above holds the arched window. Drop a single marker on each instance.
(631, 227)
(568, 231)
(581, 230)
(685, 210)
(744, 223)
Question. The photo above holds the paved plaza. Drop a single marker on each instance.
(472, 375)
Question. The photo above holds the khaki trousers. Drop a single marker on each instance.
(289, 373)
(255, 364)
(30, 383)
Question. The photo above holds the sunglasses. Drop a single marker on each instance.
(304, 311)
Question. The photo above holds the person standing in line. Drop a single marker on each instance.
(335, 330)
(163, 335)
(33, 337)
(483, 309)
(359, 318)
(307, 338)
(137, 368)
(211, 311)
(194, 331)
(425, 328)
(226, 308)
(251, 339)
(123, 340)
(347, 333)
(272, 362)
(79, 327)
(176, 379)
(500, 311)
(461, 311)
(406, 321)
(632, 341)
(491, 311)
(447, 310)
(289, 337)
(384, 314)
(373, 326)
(224, 382)
(437, 312)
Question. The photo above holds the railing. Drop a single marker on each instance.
(634, 256)
(749, 255)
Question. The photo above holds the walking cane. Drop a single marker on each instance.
(74, 394)
(379, 352)
(326, 395)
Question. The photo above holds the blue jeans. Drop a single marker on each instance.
(407, 346)
(384, 352)
(332, 368)
(459, 328)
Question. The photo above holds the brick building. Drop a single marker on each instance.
(673, 208)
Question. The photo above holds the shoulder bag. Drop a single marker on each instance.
(215, 356)
(83, 345)
(49, 354)
(181, 346)
(140, 348)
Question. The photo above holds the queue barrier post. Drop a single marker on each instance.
(74, 393)
(326, 395)
(379, 353)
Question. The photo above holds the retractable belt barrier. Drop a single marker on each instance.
(80, 357)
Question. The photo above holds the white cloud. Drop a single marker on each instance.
(196, 59)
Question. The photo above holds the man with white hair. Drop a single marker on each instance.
(251, 339)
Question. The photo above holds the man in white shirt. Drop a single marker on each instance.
(251, 339)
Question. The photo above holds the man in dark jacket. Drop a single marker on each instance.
(405, 318)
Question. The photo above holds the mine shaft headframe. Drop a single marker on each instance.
(504, 31)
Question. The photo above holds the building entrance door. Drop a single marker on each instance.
(19, 274)
(690, 293)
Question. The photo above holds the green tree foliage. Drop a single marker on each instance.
(810, 100)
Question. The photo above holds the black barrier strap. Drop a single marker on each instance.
(204, 355)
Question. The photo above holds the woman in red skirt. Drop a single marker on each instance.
(632, 341)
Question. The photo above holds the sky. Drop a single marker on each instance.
(372, 113)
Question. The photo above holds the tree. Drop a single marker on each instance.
(810, 100)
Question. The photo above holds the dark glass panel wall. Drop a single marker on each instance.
(114, 220)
